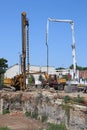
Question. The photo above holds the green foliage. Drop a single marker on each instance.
(79, 99)
(5, 111)
(81, 68)
(28, 113)
(4, 128)
(78, 67)
(56, 127)
(67, 99)
(41, 129)
(31, 79)
(41, 78)
(66, 107)
(3, 65)
(44, 117)
(1, 78)
(60, 68)
(71, 67)
(34, 115)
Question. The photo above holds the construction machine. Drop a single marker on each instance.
(14, 83)
(19, 81)
(75, 79)
(53, 81)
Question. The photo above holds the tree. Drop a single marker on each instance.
(31, 80)
(60, 68)
(3, 67)
(78, 67)
(41, 78)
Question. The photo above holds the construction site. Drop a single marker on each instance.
(31, 96)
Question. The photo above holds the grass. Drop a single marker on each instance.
(28, 113)
(67, 99)
(5, 111)
(44, 117)
(52, 126)
(56, 127)
(79, 99)
(4, 128)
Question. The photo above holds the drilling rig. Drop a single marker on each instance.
(25, 44)
(19, 81)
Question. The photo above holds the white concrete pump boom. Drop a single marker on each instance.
(73, 41)
(59, 20)
(73, 52)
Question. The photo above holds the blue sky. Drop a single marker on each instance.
(60, 39)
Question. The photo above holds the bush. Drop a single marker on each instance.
(4, 128)
(31, 80)
(67, 99)
(44, 117)
(41, 78)
(34, 115)
(5, 111)
(56, 127)
(79, 99)
(28, 113)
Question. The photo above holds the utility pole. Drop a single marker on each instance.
(47, 27)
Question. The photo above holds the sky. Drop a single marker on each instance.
(59, 34)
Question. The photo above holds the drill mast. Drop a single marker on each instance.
(25, 43)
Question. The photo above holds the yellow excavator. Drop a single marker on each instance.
(15, 83)
(53, 81)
